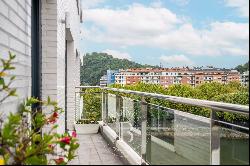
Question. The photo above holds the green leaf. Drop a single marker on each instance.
(38, 121)
(48, 100)
(9, 129)
(3, 62)
(13, 78)
(32, 101)
(37, 138)
(13, 92)
(2, 82)
(11, 56)
(55, 127)
(36, 160)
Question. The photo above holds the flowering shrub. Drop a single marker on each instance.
(28, 136)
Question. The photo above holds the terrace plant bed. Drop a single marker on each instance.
(86, 126)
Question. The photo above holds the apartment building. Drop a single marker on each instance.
(111, 76)
(45, 35)
(171, 76)
(245, 78)
(121, 78)
(104, 81)
(108, 79)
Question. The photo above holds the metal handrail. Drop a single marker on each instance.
(215, 131)
(215, 106)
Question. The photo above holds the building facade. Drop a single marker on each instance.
(245, 78)
(111, 76)
(104, 81)
(167, 77)
(45, 35)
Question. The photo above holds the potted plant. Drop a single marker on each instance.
(88, 126)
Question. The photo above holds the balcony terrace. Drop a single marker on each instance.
(144, 132)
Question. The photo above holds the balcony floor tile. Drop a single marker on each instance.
(94, 150)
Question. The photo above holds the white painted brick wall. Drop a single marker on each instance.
(73, 60)
(15, 36)
(53, 54)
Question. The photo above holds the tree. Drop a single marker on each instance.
(233, 92)
(95, 65)
(243, 68)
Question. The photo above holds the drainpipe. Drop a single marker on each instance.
(36, 53)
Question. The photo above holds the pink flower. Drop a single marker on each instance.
(51, 147)
(59, 160)
(74, 134)
(55, 115)
(66, 140)
(52, 119)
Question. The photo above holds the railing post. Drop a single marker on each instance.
(158, 118)
(122, 114)
(118, 115)
(146, 137)
(104, 108)
(214, 141)
(75, 106)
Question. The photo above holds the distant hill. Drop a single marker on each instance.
(95, 65)
(243, 68)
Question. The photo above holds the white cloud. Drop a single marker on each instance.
(138, 19)
(241, 5)
(118, 54)
(220, 39)
(161, 28)
(91, 3)
(177, 60)
(129, 27)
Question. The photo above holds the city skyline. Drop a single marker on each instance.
(171, 33)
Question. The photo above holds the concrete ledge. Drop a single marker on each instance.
(130, 156)
(110, 134)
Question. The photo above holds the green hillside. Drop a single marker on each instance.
(243, 68)
(95, 65)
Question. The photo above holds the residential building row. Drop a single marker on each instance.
(171, 76)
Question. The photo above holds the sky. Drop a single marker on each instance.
(171, 33)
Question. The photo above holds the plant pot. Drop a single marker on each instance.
(87, 128)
